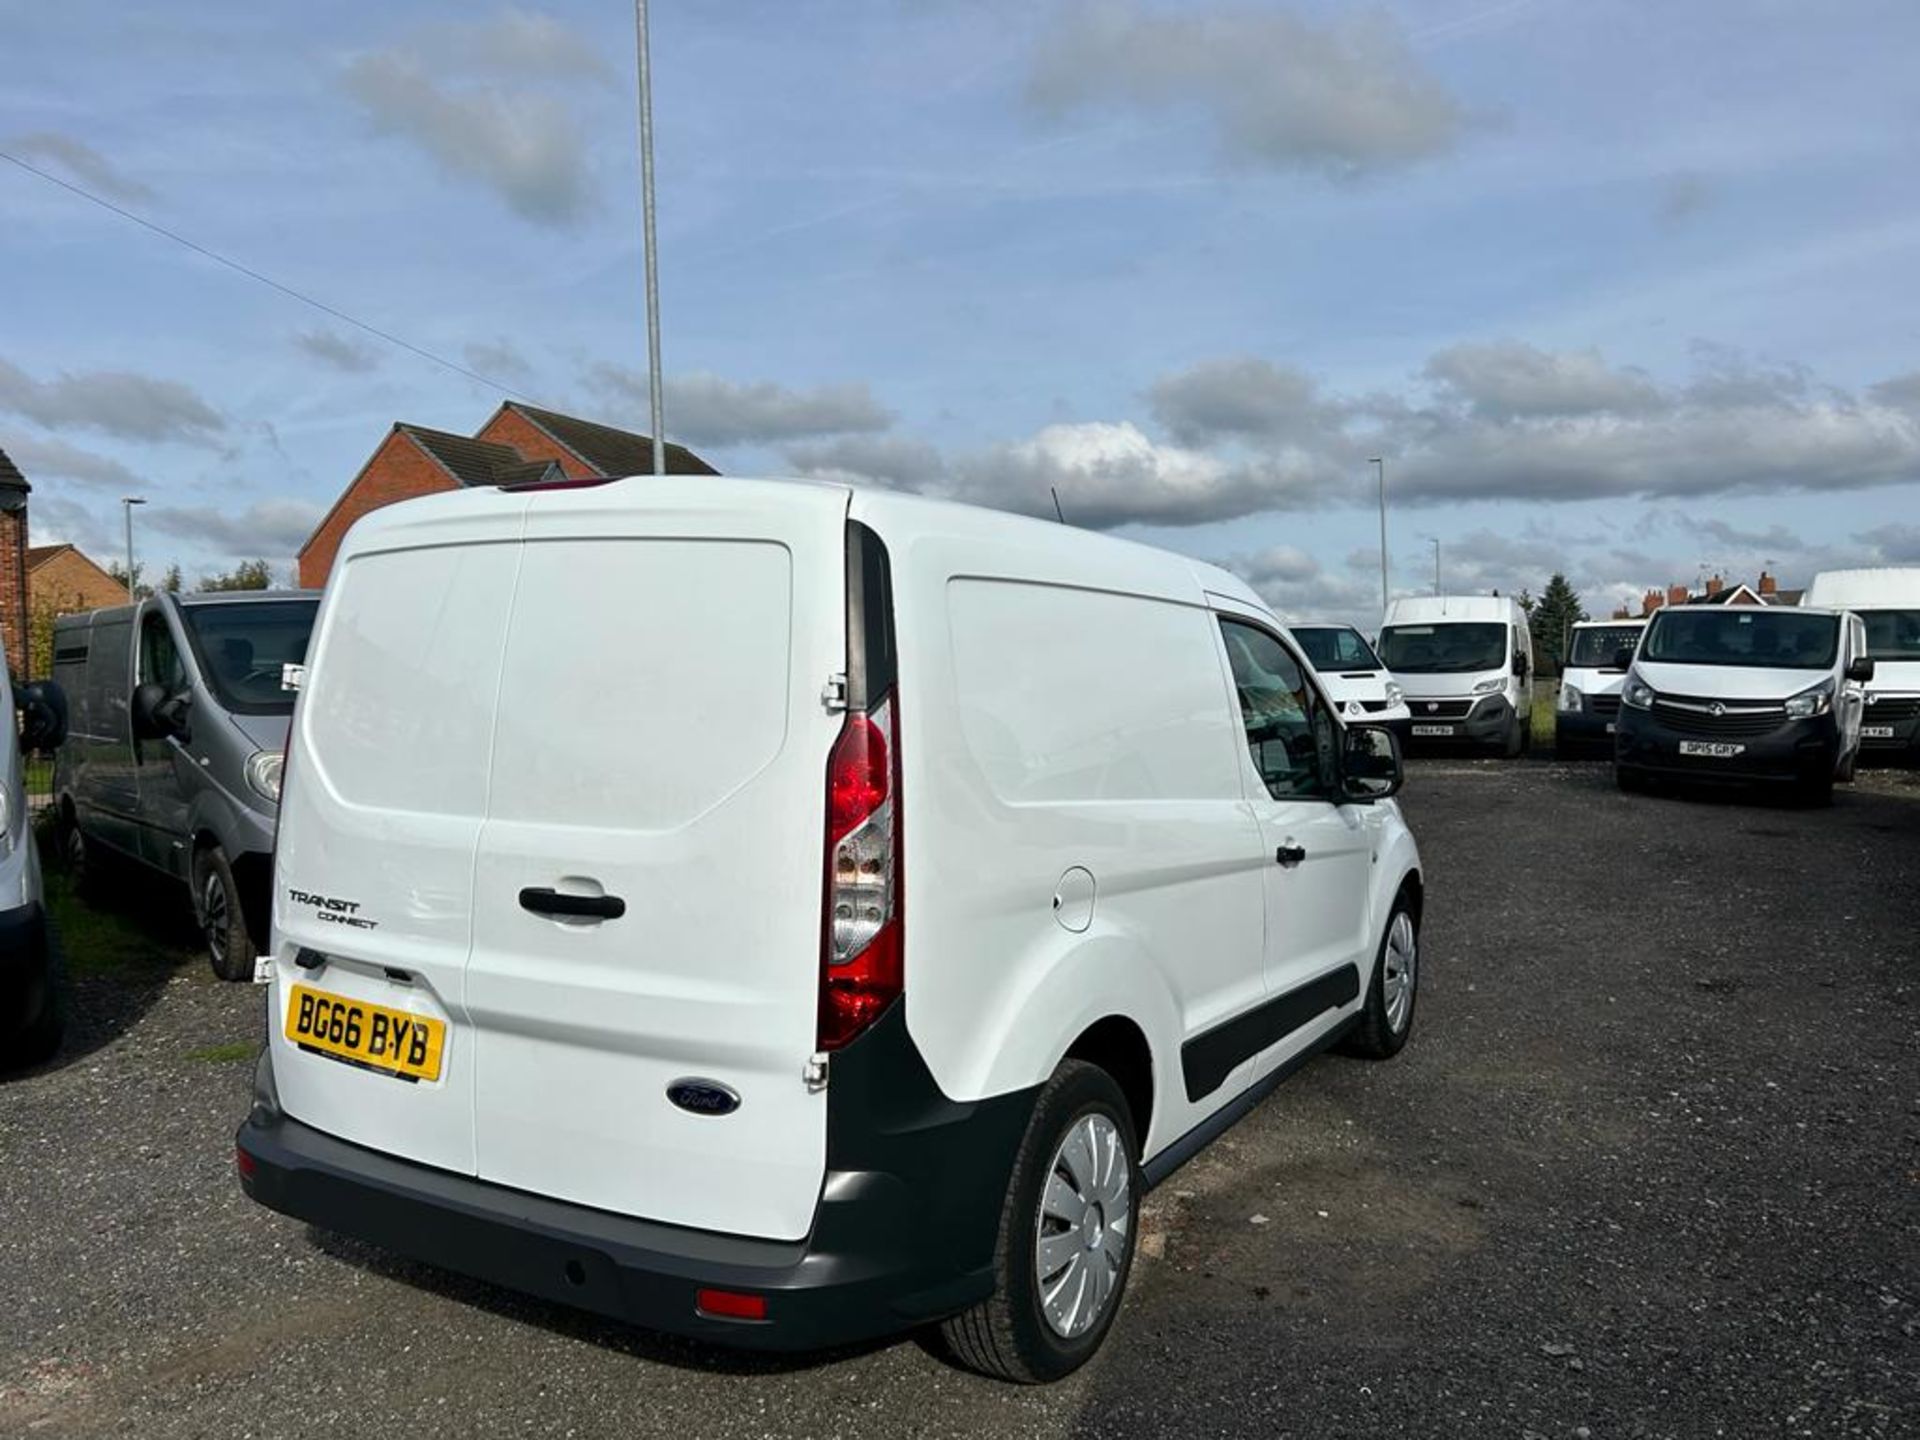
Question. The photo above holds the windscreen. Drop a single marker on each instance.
(1336, 647)
(1767, 639)
(1594, 649)
(1444, 649)
(243, 647)
(1892, 634)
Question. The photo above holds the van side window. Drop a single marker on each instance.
(159, 657)
(1290, 732)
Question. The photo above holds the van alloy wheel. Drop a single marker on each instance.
(1080, 1239)
(1399, 976)
(216, 917)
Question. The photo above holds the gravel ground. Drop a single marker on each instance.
(1648, 1168)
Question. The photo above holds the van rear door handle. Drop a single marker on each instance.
(544, 900)
(1290, 855)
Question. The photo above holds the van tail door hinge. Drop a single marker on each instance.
(816, 1072)
(833, 694)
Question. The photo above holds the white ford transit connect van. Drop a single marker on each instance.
(1745, 693)
(1354, 677)
(1465, 663)
(1887, 601)
(1588, 707)
(783, 914)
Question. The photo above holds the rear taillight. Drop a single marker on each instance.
(860, 959)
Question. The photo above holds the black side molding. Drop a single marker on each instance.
(1208, 1058)
(1157, 1170)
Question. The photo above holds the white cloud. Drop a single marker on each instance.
(895, 461)
(1241, 398)
(525, 43)
(498, 359)
(40, 458)
(338, 351)
(1283, 91)
(706, 409)
(116, 402)
(1506, 379)
(83, 163)
(268, 527)
(523, 144)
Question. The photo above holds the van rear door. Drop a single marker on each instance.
(647, 884)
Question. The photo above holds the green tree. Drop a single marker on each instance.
(172, 583)
(139, 587)
(247, 575)
(1551, 618)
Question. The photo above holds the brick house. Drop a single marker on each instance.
(519, 443)
(63, 578)
(13, 564)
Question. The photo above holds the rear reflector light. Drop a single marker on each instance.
(861, 950)
(243, 1163)
(730, 1305)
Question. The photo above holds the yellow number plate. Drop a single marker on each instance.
(391, 1041)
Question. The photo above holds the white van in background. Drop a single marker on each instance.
(785, 914)
(1746, 693)
(1355, 678)
(1598, 655)
(1888, 601)
(1465, 663)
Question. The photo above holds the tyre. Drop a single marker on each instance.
(1067, 1234)
(1516, 737)
(1386, 1019)
(222, 919)
(39, 1040)
(79, 856)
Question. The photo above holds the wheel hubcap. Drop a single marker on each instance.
(214, 904)
(1085, 1226)
(1400, 973)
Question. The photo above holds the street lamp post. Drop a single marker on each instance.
(1436, 563)
(127, 502)
(655, 396)
(1380, 465)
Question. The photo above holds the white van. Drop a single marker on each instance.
(1465, 663)
(1746, 693)
(784, 914)
(1353, 675)
(1888, 602)
(1598, 655)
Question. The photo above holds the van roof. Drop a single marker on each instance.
(900, 519)
(1422, 608)
(1610, 624)
(1887, 586)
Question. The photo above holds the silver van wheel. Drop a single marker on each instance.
(216, 917)
(1080, 1242)
(1400, 972)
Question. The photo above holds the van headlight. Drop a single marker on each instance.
(1488, 686)
(1809, 703)
(1636, 692)
(1395, 695)
(1569, 697)
(263, 774)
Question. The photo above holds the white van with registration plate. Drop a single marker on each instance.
(783, 914)
(1464, 663)
(1887, 600)
(1599, 653)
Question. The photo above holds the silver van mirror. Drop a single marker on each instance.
(43, 715)
(1622, 659)
(158, 715)
(1370, 766)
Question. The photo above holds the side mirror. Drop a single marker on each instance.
(1622, 659)
(1861, 669)
(43, 715)
(1370, 767)
(157, 715)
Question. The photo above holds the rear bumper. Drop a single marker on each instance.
(904, 1232)
(26, 986)
(1800, 751)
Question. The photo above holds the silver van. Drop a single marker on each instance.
(179, 712)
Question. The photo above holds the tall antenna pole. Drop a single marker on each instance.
(655, 397)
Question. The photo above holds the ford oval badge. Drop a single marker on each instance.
(704, 1097)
